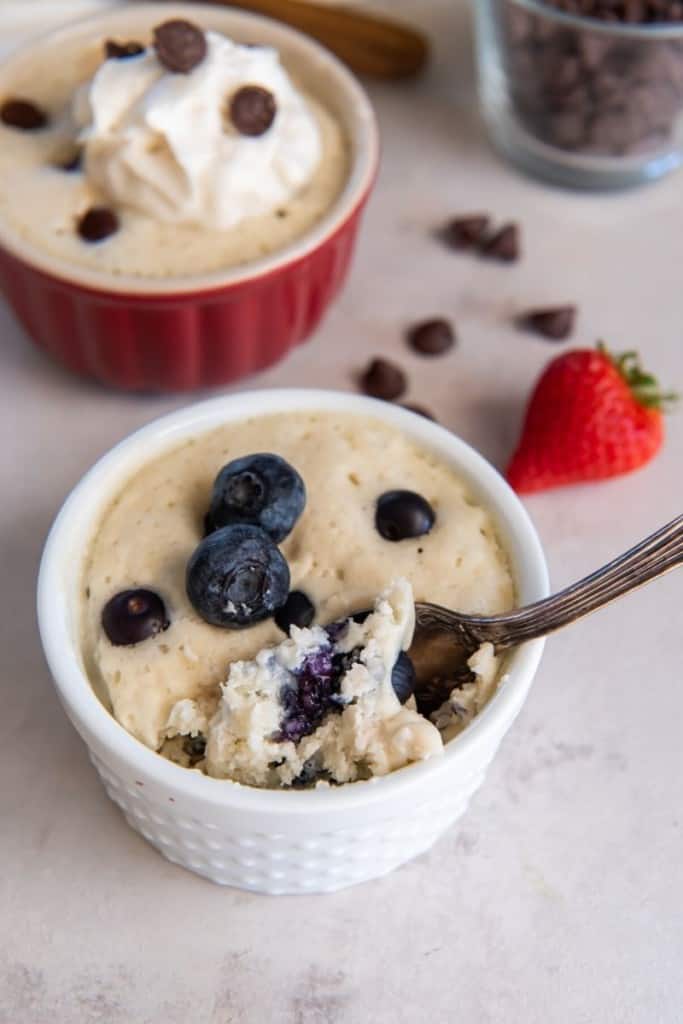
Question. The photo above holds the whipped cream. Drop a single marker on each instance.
(163, 143)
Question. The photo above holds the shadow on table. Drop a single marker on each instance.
(490, 425)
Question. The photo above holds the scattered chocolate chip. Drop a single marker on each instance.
(298, 610)
(97, 223)
(180, 45)
(252, 110)
(120, 51)
(383, 379)
(22, 114)
(503, 245)
(420, 410)
(71, 163)
(465, 232)
(556, 324)
(432, 337)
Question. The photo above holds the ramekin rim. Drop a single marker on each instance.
(84, 707)
(362, 173)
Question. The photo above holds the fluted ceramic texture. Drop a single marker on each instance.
(291, 857)
(179, 342)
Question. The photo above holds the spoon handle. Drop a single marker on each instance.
(654, 556)
(368, 43)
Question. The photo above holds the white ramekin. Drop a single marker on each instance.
(278, 841)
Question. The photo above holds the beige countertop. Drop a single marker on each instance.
(558, 897)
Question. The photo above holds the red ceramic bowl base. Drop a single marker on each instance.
(180, 342)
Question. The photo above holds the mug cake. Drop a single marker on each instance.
(248, 600)
(177, 152)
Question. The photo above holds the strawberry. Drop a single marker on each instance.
(591, 416)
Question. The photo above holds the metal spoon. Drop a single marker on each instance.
(463, 634)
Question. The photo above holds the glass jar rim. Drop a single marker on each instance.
(626, 30)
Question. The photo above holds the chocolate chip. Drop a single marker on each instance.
(503, 245)
(568, 130)
(22, 114)
(593, 92)
(298, 610)
(556, 324)
(432, 337)
(195, 748)
(180, 45)
(120, 51)
(252, 110)
(420, 410)
(383, 379)
(430, 694)
(400, 515)
(131, 616)
(629, 11)
(72, 162)
(97, 223)
(465, 232)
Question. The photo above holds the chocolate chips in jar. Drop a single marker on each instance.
(590, 84)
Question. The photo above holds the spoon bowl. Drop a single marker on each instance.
(445, 640)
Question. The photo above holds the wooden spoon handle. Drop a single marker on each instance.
(369, 44)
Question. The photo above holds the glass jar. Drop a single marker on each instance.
(577, 101)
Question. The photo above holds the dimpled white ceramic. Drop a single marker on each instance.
(278, 841)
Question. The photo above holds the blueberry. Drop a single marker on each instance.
(306, 702)
(262, 490)
(314, 692)
(298, 610)
(403, 514)
(132, 616)
(403, 677)
(236, 577)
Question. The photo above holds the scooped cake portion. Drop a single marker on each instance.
(322, 705)
(248, 599)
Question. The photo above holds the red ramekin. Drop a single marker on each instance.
(185, 333)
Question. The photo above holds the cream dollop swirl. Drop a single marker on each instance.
(164, 144)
